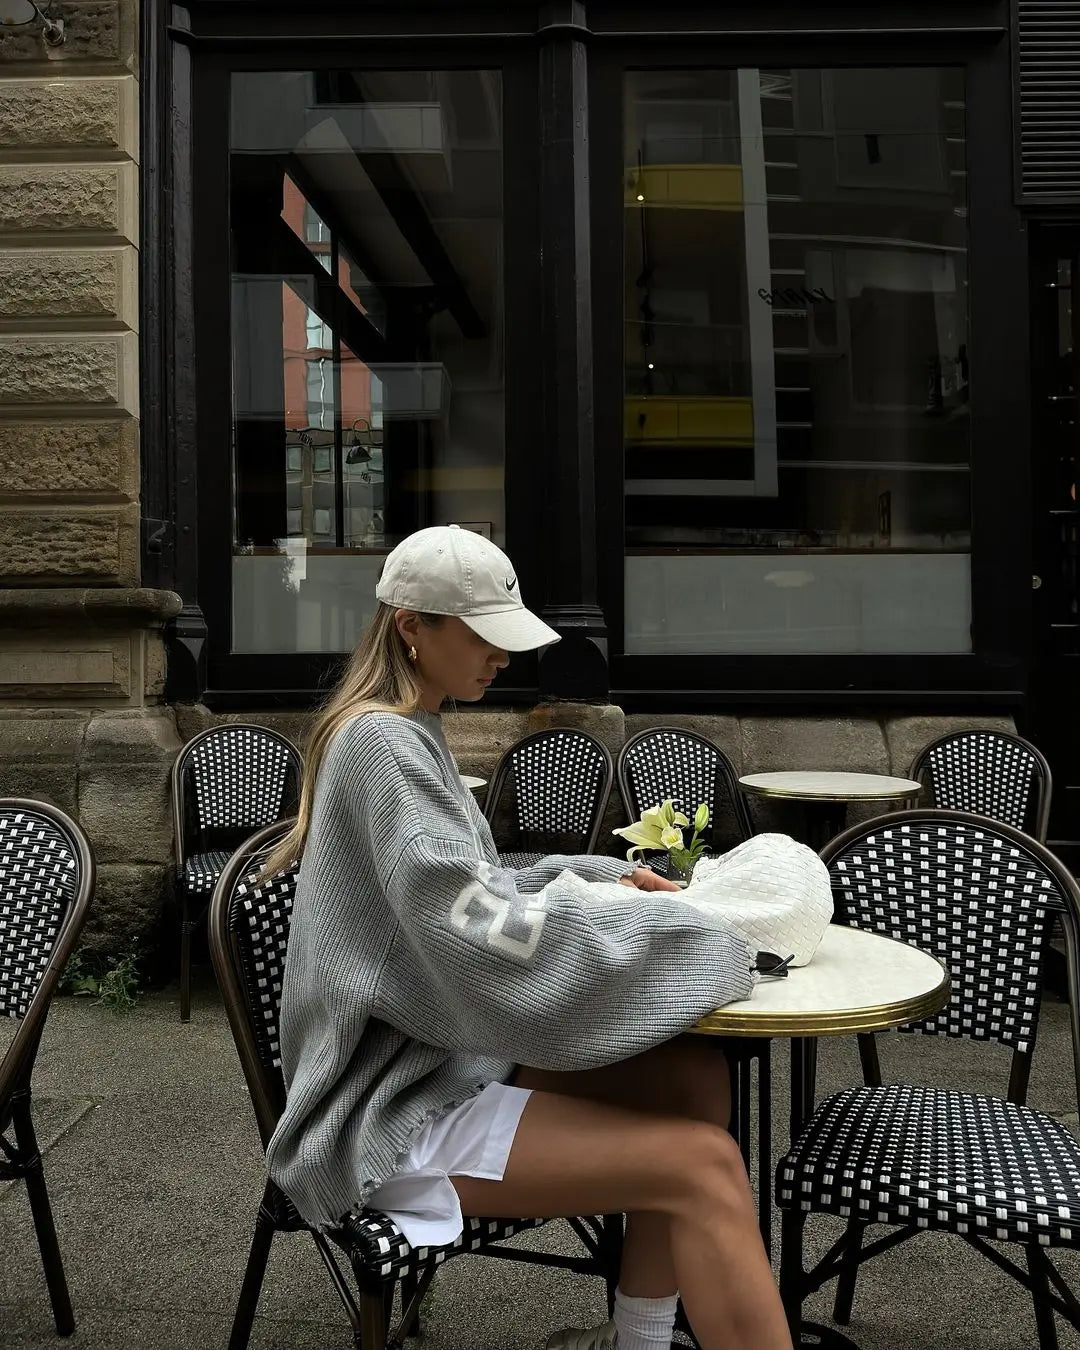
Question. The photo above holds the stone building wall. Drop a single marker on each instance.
(81, 656)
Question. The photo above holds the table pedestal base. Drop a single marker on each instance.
(813, 1336)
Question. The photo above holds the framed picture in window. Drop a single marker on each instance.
(477, 526)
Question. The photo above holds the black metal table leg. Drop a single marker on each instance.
(765, 1164)
(825, 819)
(812, 1335)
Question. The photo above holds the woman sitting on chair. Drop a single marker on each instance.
(460, 1038)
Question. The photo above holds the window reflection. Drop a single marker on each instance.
(796, 372)
(366, 212)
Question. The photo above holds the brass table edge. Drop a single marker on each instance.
(795, 795)
(841, 1023)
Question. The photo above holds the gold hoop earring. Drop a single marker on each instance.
(412, 655)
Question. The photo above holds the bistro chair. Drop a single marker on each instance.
(991, 773)
(46, 884)
(249, 932)
(227, 782)
(560, 780)
(981, 897)
(666, 762)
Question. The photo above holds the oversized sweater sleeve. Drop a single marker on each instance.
(587, 866)
(543, 977)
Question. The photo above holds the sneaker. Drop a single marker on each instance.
(598, 1338)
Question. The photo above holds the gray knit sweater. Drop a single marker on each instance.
(419, 970)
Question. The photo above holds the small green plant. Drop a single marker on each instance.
(76, 976)
(118, 988)
(114, 986)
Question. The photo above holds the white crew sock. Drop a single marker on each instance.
(644, 1323)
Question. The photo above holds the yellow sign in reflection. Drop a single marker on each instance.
(703, 187)
(719, 421)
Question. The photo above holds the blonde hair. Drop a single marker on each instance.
(379, 678)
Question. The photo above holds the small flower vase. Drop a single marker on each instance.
(682, 876)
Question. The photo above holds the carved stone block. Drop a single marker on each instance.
(65, 284)
(58, 114)
(69, 199)
(90, 457)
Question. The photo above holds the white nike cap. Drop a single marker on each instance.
(447, 570)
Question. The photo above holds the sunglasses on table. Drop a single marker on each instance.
(769, 963)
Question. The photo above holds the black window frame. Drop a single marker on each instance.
(188, 50)
(994, 674)
(241, 679)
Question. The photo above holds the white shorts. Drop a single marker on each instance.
(472, 1140)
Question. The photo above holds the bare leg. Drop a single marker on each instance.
(574, 1156)
(685, 1077)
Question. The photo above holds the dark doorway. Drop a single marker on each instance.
(1054, 711)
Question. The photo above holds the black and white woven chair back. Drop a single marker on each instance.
(249, 933)
(668, 763)
(991, 774)
(239, 776)
(259, 917)
(561, 779)
(40, 876)
(976, 898)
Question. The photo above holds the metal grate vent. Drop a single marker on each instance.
(1048, 57)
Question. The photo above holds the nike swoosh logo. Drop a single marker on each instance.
(511, 582)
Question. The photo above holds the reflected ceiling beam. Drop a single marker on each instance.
(323, 202)
(389, 179)
(412, 220)
(278, 252)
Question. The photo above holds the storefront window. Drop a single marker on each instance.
(367, 335)
(796, 429)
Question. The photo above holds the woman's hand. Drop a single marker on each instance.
(644, 879)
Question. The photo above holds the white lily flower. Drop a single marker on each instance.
(671, 838)
(642, 836)
(653, 818)
(669, 815)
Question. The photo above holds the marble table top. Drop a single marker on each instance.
(473, 783)
(857, 981)
(817, 784)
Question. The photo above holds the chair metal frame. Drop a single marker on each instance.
(193, 906)
(509, 764)
(370, 1314)
(842, 1262)
(923, 771)
(725, 777)
(21, 1160)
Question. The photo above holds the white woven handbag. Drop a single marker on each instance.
(773, 890)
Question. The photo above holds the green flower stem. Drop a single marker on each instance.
(685, 859)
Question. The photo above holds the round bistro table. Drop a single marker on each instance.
(471, 782)
(832, 790)
(857, 982)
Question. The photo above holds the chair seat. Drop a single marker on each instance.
(514, 861)
(200, 872)
(939, 1159)
(378, 1250)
